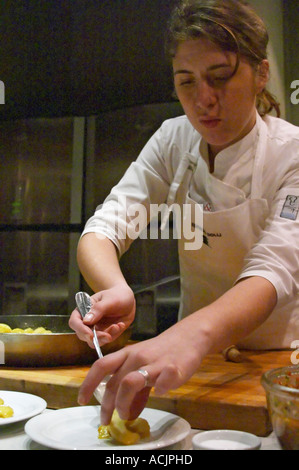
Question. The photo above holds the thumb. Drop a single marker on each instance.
(94, 314)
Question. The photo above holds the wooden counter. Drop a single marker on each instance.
(219, 395)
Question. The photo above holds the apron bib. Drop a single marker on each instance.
(229, 234)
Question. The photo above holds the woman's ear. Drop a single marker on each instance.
(262, 75)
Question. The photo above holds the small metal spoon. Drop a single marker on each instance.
(84, 304)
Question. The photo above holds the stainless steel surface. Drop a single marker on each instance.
(157, 306)
(84, 304)
(153, 285)
(58, 349)
(44, 206)
(43, 249)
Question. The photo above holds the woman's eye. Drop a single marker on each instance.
(218, 81)
(186, 82)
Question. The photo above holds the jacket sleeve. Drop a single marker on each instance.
(275, 256)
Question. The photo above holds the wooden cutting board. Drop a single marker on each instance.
(220, 394)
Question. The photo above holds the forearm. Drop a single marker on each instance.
(230, 318)
(98, 262)
(172, 357)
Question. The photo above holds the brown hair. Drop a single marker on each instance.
(231, 24)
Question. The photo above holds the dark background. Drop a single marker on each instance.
(81, 57)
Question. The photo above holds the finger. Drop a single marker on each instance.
(95, 313)
(110, 334)
(104, 338)
(139, 403)
(100, 368)
(169, 378)
(75, 320)
(133, 389)
(98, 313)
(112, 330)
(108, 400)
(137, 406)
(92, 380)
(127, 393)
(131, 395)
(115, 330)
(120, 393)
(83, 332)
(92, 317)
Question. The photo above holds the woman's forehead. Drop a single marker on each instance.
(202, 52)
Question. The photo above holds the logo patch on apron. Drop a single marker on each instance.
(290, 208)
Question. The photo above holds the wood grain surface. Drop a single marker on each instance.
(220, 395)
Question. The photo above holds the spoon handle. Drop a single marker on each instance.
(84, 303)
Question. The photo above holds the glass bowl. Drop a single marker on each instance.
(282, 392)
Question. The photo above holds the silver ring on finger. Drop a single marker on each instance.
(146, 377)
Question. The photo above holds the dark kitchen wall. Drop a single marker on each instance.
(81, 57)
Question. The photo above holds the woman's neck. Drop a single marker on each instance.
(212, 157)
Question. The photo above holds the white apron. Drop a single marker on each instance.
(229, 233)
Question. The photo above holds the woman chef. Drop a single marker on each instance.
(242, 165)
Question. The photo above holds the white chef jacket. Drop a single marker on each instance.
(275, 254)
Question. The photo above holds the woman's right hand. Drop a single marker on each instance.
(112, 311)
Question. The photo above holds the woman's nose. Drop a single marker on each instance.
(205, 95)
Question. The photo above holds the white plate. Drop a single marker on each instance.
(77, 429)
(24, 406)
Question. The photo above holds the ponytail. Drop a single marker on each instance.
(266, 102)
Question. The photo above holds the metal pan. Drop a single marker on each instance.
(61, 348)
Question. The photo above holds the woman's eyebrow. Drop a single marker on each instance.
(211, 68)
(219, 66)
(182, 71)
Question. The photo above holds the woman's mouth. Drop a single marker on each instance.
(210, 123)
